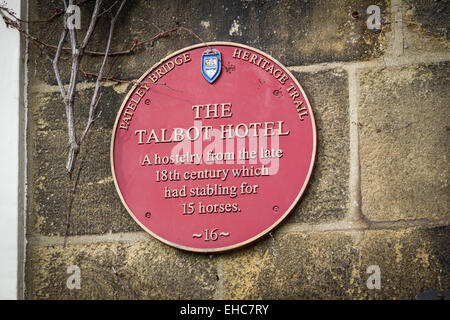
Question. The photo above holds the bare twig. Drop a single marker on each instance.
(55, 63)
(16, 25)
(96, 96)
(72, 193)
(136, 44)
(77, 54)
(135, 82)
(74, 55)
(48, 20)
(124, 284)
(109, 9)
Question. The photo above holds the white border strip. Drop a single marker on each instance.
(10, 91)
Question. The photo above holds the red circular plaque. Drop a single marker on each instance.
(213, 147)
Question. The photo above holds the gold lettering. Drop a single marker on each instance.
(132, 106)
(207, 128)
(265, 62)
(267, 129)
(163, 136)
(237, 53)
(270, 69)
(255, 126)
(294, 95)
(146, 161)
(245, 128)
(140, 133)
(230, 127)
(196, 134)
(279, 74)
(260, 59)
(140, 93)
(127, 120)
(159, 72)
(298, 104)
(290, 88)
(280, 129)
(170, 65)
(178, 62)
(253, 58)
(152, 136)
(283, 79)
(153, 77)
(213, 110)
(226, 110)
(178, 134)
(197, 111)
(302, 114)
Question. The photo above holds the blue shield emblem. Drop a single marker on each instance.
(211, 64)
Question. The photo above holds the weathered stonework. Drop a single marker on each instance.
(330, 265)
(387, 170)
(326, 198)
(333, 265)
(430, 18)
(49, 182)
(146, 270)
(405, 142)
(425, 26)
(294, 32)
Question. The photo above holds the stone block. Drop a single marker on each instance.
(334, 265)
(326, 198)
(294, 32)
(404, 142)
(145, 270)
(97, 207)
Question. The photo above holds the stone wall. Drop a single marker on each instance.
(379, 194)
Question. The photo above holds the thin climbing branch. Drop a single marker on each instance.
(96, 97)
(93, 116)
(123, 284)
(77, 54)
(136, 44)
(55, 63)
(74, 55)
(48, 20)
